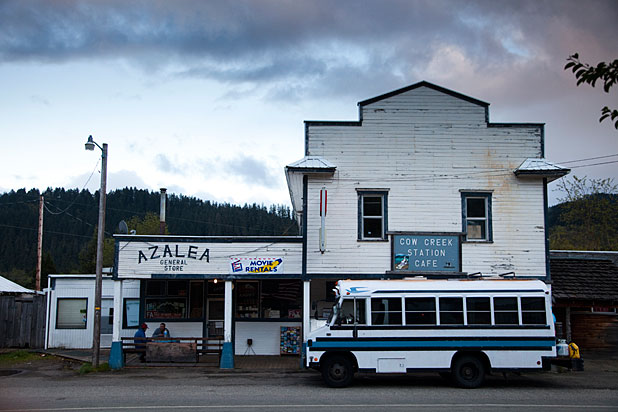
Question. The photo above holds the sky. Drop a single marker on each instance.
(208, 98)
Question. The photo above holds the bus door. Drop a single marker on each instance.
(352, 313)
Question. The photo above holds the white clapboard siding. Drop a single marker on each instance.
(83, 287)
(425, 147)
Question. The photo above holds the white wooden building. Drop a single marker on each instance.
(70, 310)
(422, 184)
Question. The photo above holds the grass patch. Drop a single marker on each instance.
(20, 356)
(88, 368)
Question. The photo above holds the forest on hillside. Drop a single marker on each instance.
(71, 216)
(587, 220)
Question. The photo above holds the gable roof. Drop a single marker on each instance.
(584, 278)
(424, 84)
(8, 286)
(541, 168)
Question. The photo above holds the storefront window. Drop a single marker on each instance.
(174, 299)
(268, 299)
(166, 308)
(71, 313)
(130, 318)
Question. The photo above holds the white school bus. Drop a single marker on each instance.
(461, 328)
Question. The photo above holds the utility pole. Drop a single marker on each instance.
(39, 249)
(96, 338)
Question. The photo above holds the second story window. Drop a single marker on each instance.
(476, 216)
(372, 218)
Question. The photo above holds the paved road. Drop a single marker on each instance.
(174, 389)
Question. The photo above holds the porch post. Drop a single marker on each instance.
(567, 323)
(116, 359)
(227, 353)
(306, 319)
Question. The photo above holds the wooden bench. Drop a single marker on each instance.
(176, 349)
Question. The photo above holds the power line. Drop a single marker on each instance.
(44, 231)
(83, 187)
(590, 158)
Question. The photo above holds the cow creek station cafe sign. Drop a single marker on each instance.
(433, 252)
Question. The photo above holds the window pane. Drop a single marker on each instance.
(177, 288)
(479, 318)
(386, 304)
(475, 229)
(420, 304)
(386, 311)
(478, 304)
(451, 304)
(131, 313)
(155, 288)
(197, 299)
(533, 303)
(372, 228)
(71, 314)
(533, 318)
(166, 308)
(451, 318)
(360, 311)
(505, 304)
(420, 318)
(347, 311)
(475, 207)
(479, 311)
(216, 309)
(506, 318)
(386, 318)
(107, 316)
(372, 205)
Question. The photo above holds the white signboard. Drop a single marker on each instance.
(194, 257)
(256, 265)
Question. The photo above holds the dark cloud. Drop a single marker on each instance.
(321, 48)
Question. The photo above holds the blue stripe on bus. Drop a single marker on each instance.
(435, 344)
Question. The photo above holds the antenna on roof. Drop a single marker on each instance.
(507, 274)
(123, 229)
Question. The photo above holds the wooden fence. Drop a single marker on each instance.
(22, 321)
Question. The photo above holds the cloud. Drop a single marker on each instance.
(316, 46)
(164, 163)
(250, 170)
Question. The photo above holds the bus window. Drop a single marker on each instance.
(533, 311)
(478, 311)
(505, 311)
(386, 311)
(347, 312)
(451, 311)
(420, 311)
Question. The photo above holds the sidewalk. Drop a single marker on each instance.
(253, 363)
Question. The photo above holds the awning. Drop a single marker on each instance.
(541, 168)
(294, 172)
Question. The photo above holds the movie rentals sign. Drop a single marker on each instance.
(256, 266)
(426, 252)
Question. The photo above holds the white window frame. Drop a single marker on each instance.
(383, 196)
(487, 219)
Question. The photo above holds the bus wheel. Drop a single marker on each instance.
(468, 372)
(337, 371)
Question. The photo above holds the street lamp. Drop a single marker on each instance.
(96, 338)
